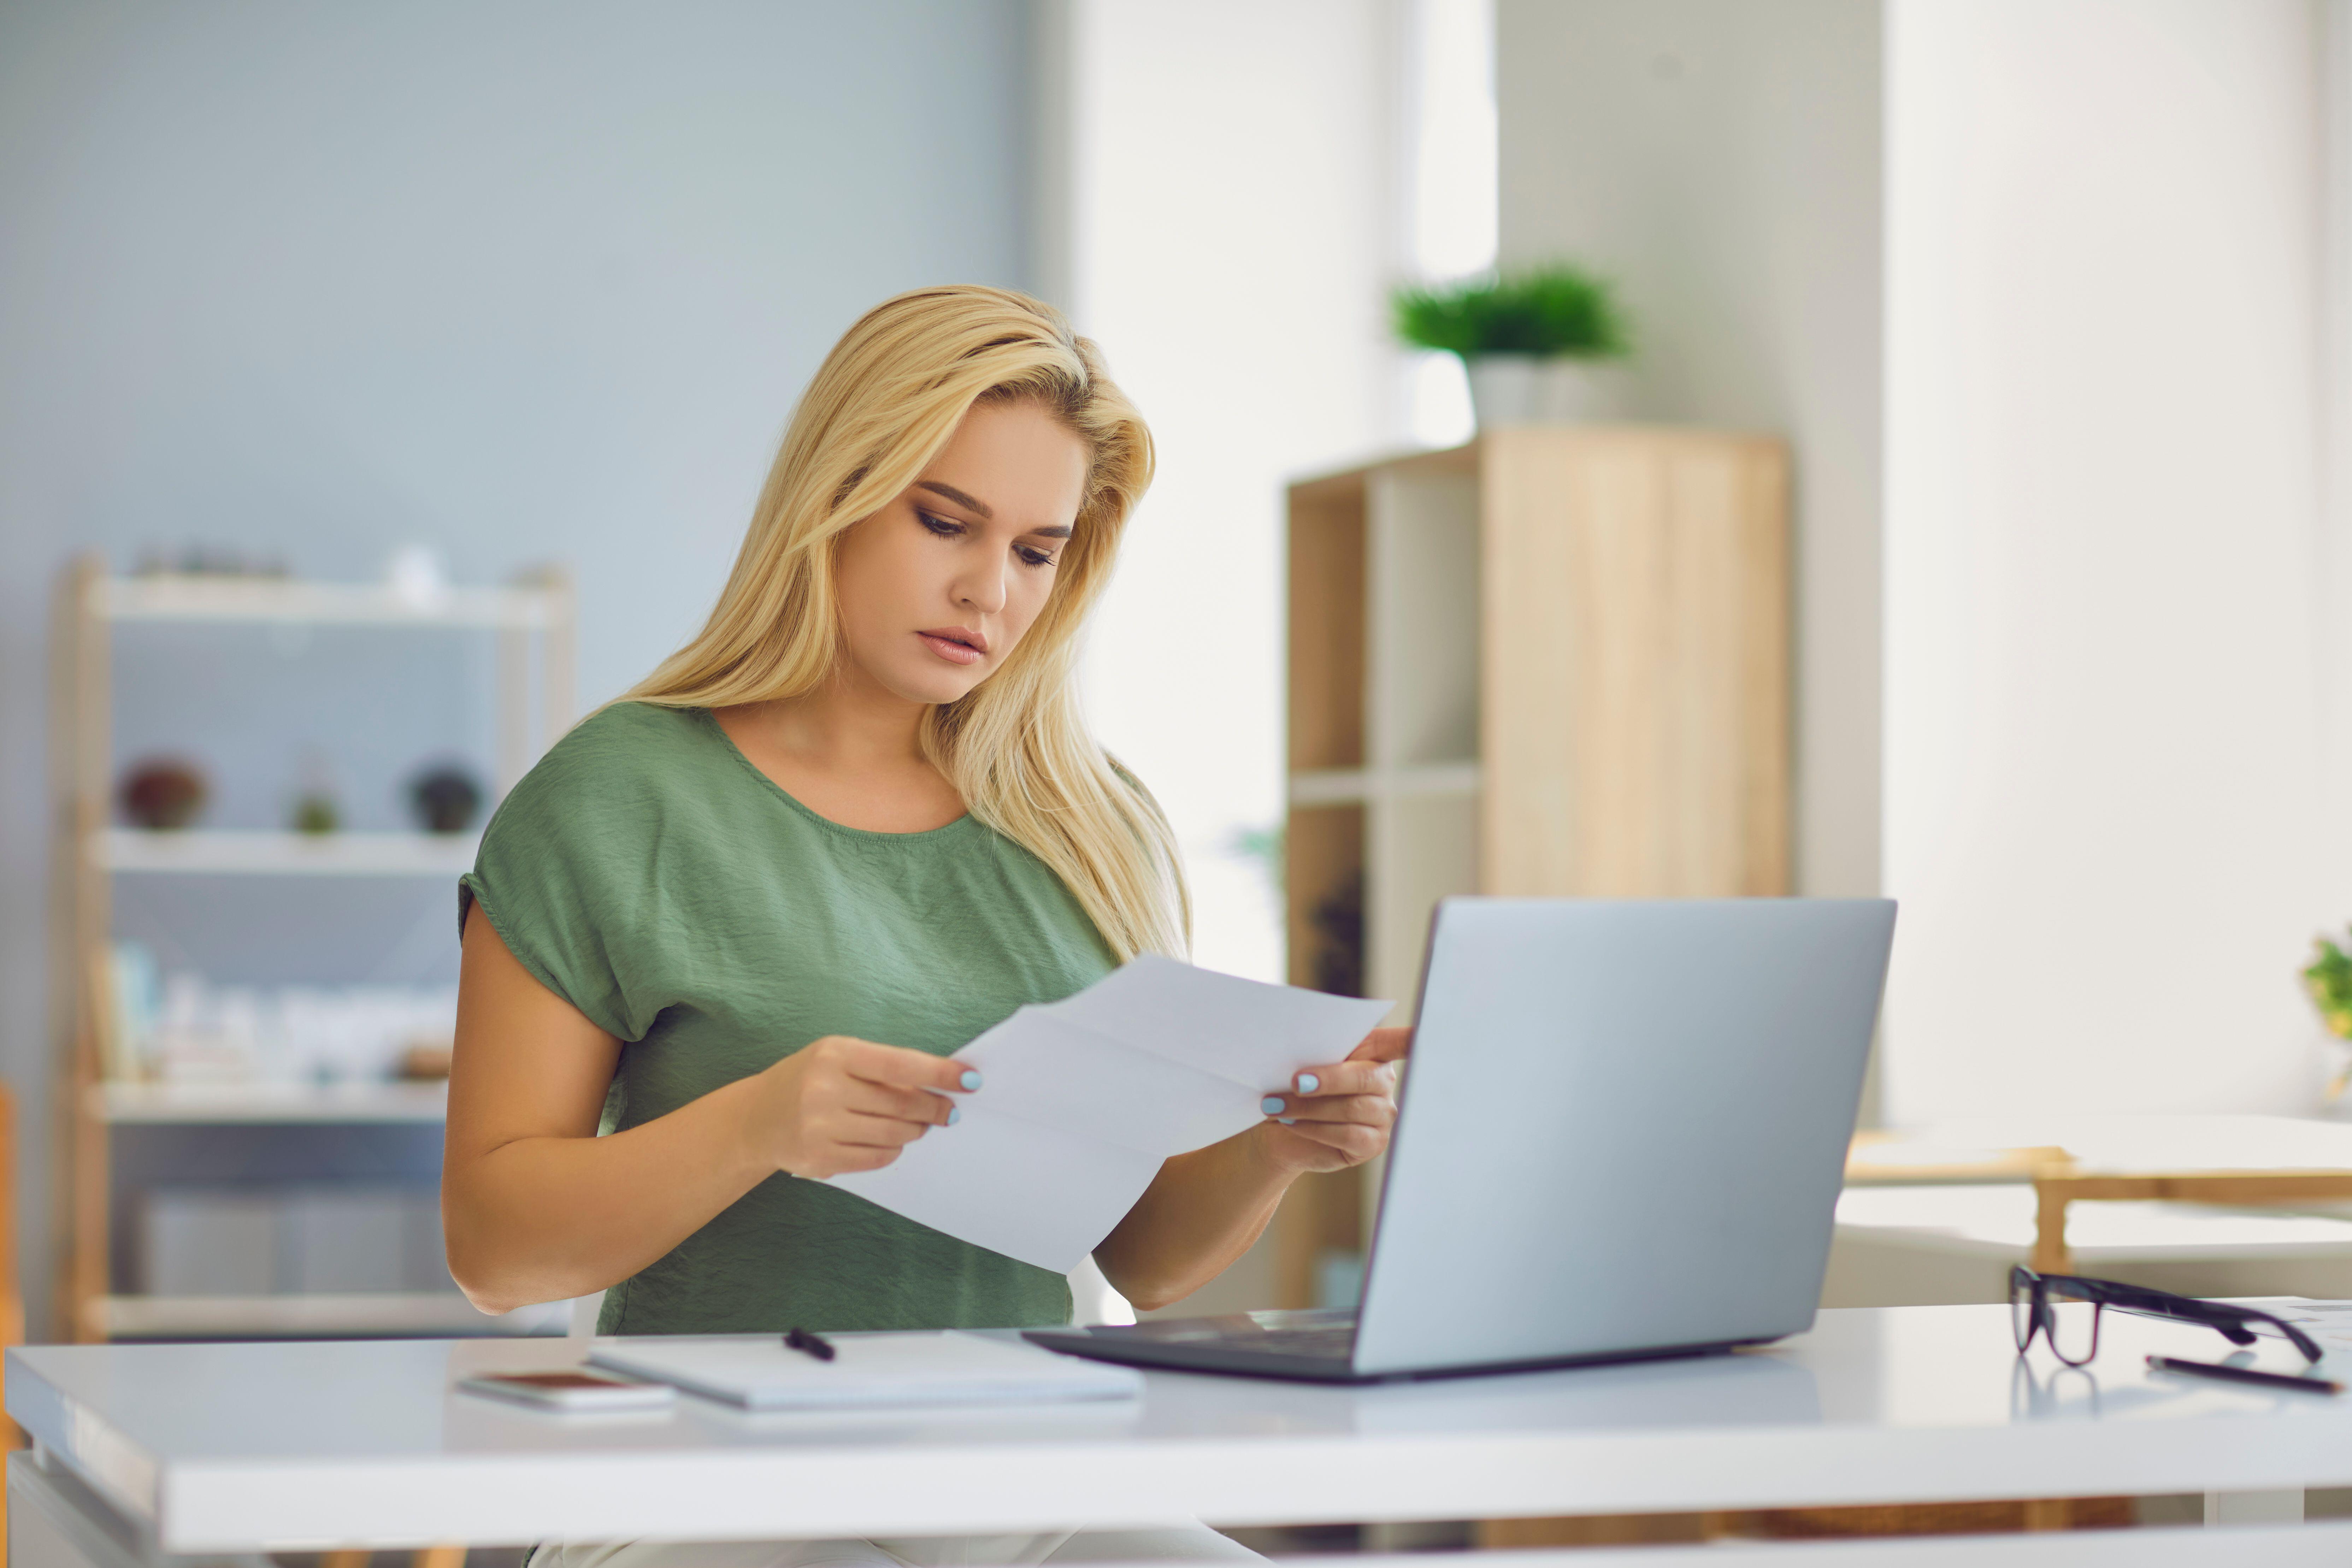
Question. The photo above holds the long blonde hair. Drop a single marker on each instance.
(1016, 747)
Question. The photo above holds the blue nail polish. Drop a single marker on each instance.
(971, 1079)
(1287, 1120)
(955, 1114)
(1308, 1083)
(1270, 1104)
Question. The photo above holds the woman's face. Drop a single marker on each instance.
(939, 587)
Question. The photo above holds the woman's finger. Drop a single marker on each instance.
(857, 1130)
(849, 1158)
(905, 1104)
(1358, 1142)
(896, 1066)
(1351, 1077)
(1357, 1110)
(1383, 1046)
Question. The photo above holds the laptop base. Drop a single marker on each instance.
(1243, 1359)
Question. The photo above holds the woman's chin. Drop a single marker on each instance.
(934, 687)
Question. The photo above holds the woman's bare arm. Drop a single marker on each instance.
(536, 1207)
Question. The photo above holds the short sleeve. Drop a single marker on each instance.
(565, 871)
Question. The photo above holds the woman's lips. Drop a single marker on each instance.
(947, 649)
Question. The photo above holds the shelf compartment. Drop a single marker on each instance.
(229, 852)
(268, 600)
(1421, 635)
(1347, 786)
(388, 1314)
(1326, 597)
(154, 1104)
(1419, 849)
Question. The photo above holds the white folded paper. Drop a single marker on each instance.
(1084, 1098)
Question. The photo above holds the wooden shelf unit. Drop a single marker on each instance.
(89, 853)
(1552, 662)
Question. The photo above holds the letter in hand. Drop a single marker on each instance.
(843, 1104)
(1334, 1117)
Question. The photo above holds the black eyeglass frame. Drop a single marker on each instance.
(2033, 1291)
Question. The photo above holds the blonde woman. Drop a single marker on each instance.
(738, 919)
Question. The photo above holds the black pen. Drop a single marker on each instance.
(802, 1340)
(2244, 1374)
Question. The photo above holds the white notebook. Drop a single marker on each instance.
(939, 1367)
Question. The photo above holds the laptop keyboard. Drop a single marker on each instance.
(1335, 1344)
(1327, 1335)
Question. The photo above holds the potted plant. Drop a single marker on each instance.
(1529, 339)
(2329, 978)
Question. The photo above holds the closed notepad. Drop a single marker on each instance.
(945, 1367)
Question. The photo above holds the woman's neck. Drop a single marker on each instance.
(853, 756)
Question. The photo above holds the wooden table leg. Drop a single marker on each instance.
(2050, 1253)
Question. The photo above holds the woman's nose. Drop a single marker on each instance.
(984, 591)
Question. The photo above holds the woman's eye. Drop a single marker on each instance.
(1036, 557)
(940, 525)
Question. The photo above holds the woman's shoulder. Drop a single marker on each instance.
(617, 762)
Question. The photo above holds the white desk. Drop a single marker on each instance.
(291, 1445)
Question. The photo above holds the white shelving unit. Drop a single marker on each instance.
(284, 602)
(197, 851)
(343, 1104)
(535, 613)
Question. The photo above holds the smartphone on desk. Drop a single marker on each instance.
(571, 1388)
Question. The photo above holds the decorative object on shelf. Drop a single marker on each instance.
(2329, 978)
(1338, 966)
(315, 810)
(417, 577)
(164, 793)
(210, 560)
(445, 799)
(426, 1059)
(1530, 340)
(195, 1031)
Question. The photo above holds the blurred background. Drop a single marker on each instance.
(382, 387)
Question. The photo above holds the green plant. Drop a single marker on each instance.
(1548, 312)
(2329, 978)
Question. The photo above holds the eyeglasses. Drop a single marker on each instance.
(2065, 1310)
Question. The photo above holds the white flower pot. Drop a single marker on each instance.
(1521, 389)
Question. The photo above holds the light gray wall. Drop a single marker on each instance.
(520, 280)
(1721, 160)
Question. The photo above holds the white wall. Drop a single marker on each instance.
(2104, 808)
(522, 280)
(1720, 160)
(1233, 225)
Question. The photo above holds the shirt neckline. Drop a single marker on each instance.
(718, 731)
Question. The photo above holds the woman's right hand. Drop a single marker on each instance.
(842, 1104)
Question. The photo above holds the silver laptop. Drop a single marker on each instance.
(1622, 1135)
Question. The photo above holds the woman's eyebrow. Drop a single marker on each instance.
(957, 496)
(1050, 532)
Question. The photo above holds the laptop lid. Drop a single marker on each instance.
(1624, 1127)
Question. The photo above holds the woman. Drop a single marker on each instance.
(854, 823)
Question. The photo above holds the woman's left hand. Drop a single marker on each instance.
(1338, 1116)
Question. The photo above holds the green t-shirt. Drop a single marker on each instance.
(646, 872)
